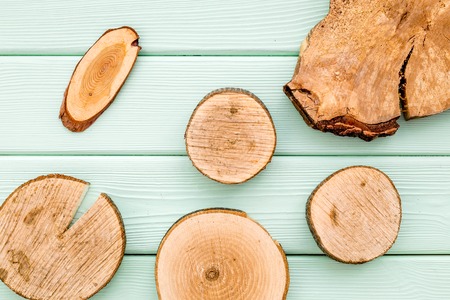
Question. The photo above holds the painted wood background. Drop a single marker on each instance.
(135, 151)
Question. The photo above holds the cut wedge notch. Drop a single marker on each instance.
(220, 254)
(41, 258)
(98, 78)
(366, 61)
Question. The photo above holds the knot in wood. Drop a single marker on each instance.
(212, 274)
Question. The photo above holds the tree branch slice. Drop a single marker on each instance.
(355, 214)
(98, 78)
(230, 137)
(220, 254)
(41, 258)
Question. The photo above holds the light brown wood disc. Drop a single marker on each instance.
(98, 77)
(41, 258)
(355, 214)
(220, 254)
(230, 137)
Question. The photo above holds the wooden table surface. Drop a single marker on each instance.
(135, 151)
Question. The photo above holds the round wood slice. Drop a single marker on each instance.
(41, 258)
(98, 78)
(230, 137)
(355, 214)
(220, 254)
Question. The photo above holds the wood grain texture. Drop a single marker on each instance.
(166, 27)
(41, 258)
(158, 119)
(150, 115)
(355, 214)
(230, 137)
(153, 192)
(361, 61)
(220, 254)
(426, 87)
(313, 278)
(98, 77)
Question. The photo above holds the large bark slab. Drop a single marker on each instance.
(365, 60)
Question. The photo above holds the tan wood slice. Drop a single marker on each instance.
(365, 60)
(355, 214)
(41, 258)
(230, 137)
(98, 78)
(220, 254)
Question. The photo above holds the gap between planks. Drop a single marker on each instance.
(185, 155)
(287, 54)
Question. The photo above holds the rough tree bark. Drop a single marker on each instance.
(41, 258)
(367, 60)
(98, 78)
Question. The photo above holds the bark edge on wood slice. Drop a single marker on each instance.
(98, 78)
(363, 61)
(41, 257)
(230, 136)
(355, 214)
(220, 253)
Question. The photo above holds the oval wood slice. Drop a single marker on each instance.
(98, 78)
(230, 137)
(220, 254)
(41, 258)
(355, 214)
(365, 60)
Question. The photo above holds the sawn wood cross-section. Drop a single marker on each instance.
(41, 258)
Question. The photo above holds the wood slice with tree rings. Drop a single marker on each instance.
(230, 137)
(355, 214)
(41, 257)
(220, 254)
(98, 78)
(366, 62)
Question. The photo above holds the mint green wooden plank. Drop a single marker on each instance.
(153, 192)
(166, 27)
(151, 112)
(312, 277)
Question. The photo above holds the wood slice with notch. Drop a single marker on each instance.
(230, 137)
(220, 254)
(355, 214)
(365, 60)
(41, 257)
(98, 77)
